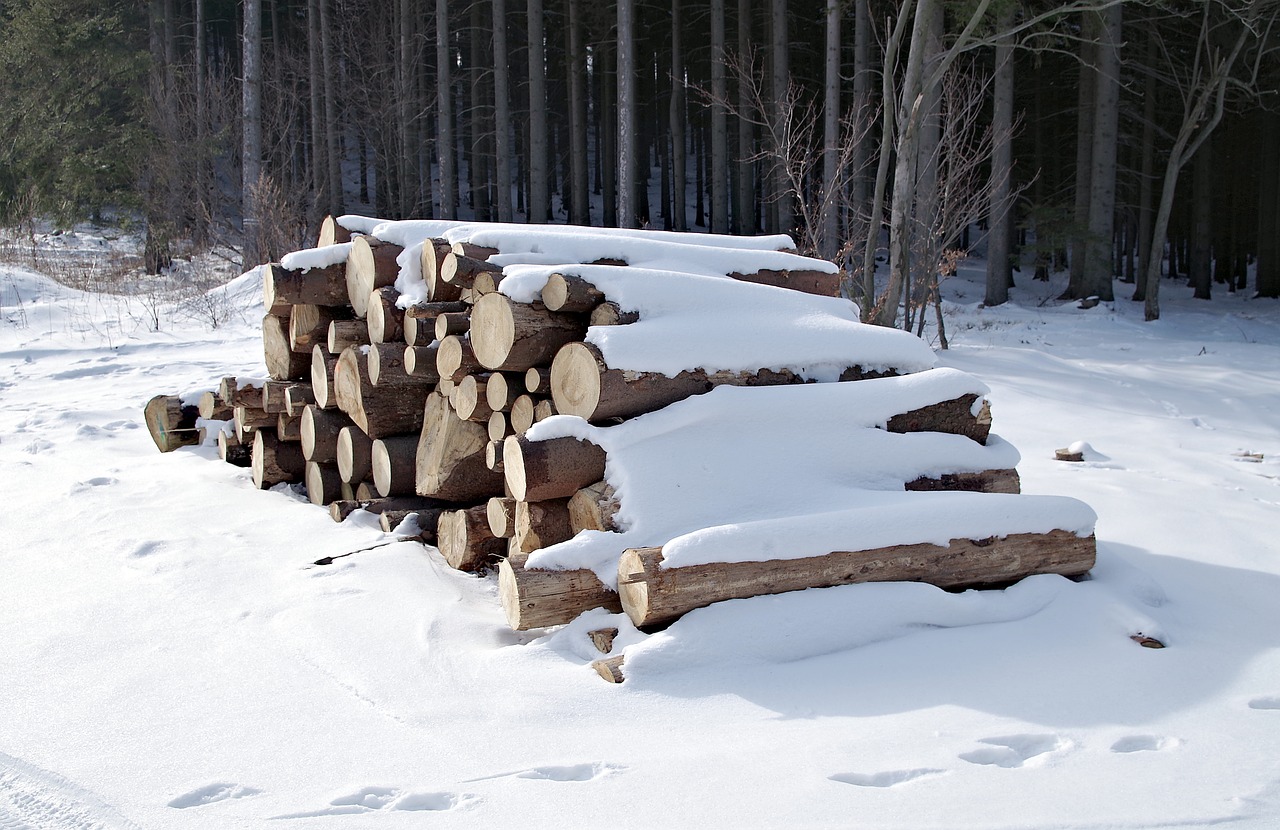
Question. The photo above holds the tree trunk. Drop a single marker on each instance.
(1201, 241)
(1087, 90)
(780, 78)
(538, 197)
(332, 118)
(1099, 267)
(446, 148)
(719, 123)
(999, 266)
(251, 125)
(678, 117)
(744, 211)
(627, 117)
(831, 136)
(501, 112)
(580, 200)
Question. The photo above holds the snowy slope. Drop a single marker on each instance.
(172, 659)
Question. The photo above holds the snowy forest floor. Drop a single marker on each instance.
(172, 659)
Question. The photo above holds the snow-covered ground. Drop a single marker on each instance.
(171, 658)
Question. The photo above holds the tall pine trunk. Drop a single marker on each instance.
(999, 267)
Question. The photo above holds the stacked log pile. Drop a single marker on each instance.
(407, 380)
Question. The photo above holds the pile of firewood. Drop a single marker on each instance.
(420, 410)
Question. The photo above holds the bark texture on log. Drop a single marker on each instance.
(371, 264)
(394, 471)
(384, 319)
(554, 469)
(420, 362)
(345, 333)
(324, 485)
(283, 363)
(988, 481)
(654, 595)
(465, 540)
(355, 455)
(320, 429)
(317, 286)
(541, 524)
(808, 282)
(275, 461)
(533, 598)
(512, 336)
(565, 292)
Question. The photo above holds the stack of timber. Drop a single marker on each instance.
(418, 366)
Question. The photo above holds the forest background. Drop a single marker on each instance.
(1127, 141)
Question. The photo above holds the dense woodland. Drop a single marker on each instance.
(887, 135)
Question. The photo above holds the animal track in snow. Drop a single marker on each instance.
(89, 484)
(34, 798)
(375, 799)
(211, 794)
(1272, 702)
(889, 778)
(571, 772)
(1012, 751)
(1143, 743)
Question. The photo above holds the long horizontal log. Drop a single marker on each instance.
(512, 336)
(808, 282)
(653, 595)
(534, 598)
(552, 469)
(316, 286)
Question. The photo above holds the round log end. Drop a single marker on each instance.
(493, 330)
(575, 380)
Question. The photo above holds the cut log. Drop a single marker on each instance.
(274, 393)
(365, 491)
(320, 429)
(332, 233)
(212, 408)
(234, 451)
(249, 419)
(809, 282)
(534, 598)
(420, 362)
(323, 364)
(564, 292)
(427, 520)
(543, 410)
(393, 465)
(653, 595)
(385, 319)
(501, 512)
(387, 368)
(283, 363)
(593, 508)
(459, 269)
(309, 325)
(989, 481)
(473, 251)
(340, 510)
(288, 428)
(378, 410)
(236, 392)
(493, 456)
(537, 381)
(602, 639)
(541, 524)
(171, 423)
(515, 336)
(371, 264)
(355, 455)
(611, 314)
(450, 460)
(455, 358)
(433, 251)
(553, 469)
(345, 333)
(523, 412)
(500, 391)
(420, 320)
(610, 668)
(465, 540)
(486, 282)
(955, 417)
(470, 401)
(457, 322)
(315, 286)
(274, 461)
(499, 426)
(324, 485)
(297, 397)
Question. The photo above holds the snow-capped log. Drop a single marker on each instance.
(324, 484)
(172, 423)
(320, 428)
(324, 285)
(473, 251)
(470, 399)
(593, 508)
(465, 540)
(455, 358)
(344, 333)
(323, 364)
(653, 595)
(393, 461)
(275, 461)
(234, 451)
(458, 269)
(820, 283)
(309, 325)
(552, 469)
(341, 509)
(385, 319)
(283, 363)
(420, 362)
(332, 233)
(501, 511)
(288, 427)
(355, 455)
(378, 410)
(450, 456)
(240, 391)
(212, 407)
(955, 416)
(511, 336)
(438, 291)
(567, 292)
(540, 524)
(611, 314)
(371, 264)
(387, 367)
(536, 598)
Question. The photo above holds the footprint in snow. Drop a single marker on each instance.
(889, 778)
(374, 799)
(89, 484)
(571, 772)
(1011, 751)
(1272, 702)
(211, 794)
(1143, 743)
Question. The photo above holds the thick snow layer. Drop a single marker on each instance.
(784, 472)
(172, 659)
(518, 238)
(309, 258)
(691, 322)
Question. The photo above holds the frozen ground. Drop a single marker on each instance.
(171, 658)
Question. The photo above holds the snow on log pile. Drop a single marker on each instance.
(641, 421)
